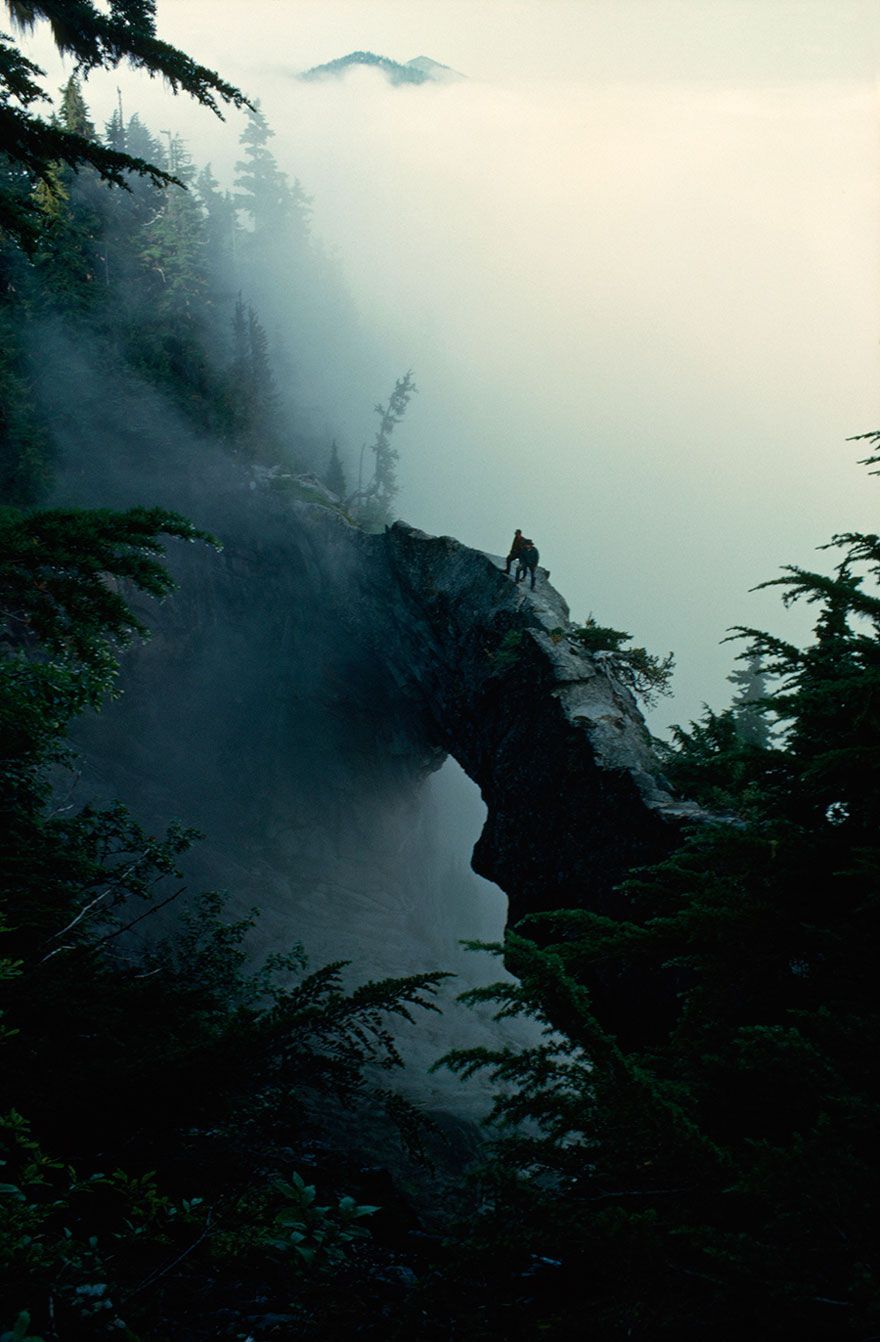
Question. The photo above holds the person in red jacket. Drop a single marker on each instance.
(516, 547)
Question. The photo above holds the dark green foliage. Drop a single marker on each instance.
(221, 229)
(156, 1091)
(128, 271)
(97, 38)
(20, 1332)
(641, 671)
(372, 504)
(255, 420)
(59, 572)
(748, 702)
(334, 476)
(508, 653)
(26, 456)
(712, 1171)
(64, 618)
(172, 282)
(140, 141)
(315, 1233)
(35, 148)
(124, 30)
(153, 1092)
(147, 282)
(393, 70)
(174, 244)
(874, 439)
(729, 760)
(69, 255)
(271, 205)
(710, 762)
(280, 268)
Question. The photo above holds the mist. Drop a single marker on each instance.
(643, 321)
(633, 266)
(635, 275)
(634, 272)
(627, 251)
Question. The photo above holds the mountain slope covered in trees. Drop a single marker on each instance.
(420, 70)
(710, 1172)
(170, 284)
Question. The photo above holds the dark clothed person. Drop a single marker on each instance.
(527, 562)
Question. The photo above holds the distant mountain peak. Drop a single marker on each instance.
(434, 69)
(420, 70)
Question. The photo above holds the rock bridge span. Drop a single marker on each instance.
(490, 675)
(301, 684)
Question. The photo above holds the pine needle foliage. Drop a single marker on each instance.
(334, 475)
(749, 702)
(372, 504)
(642, 672)
(97, 38)
(60, 571)
(165, 286)
(154, 1091)
(714, 1173)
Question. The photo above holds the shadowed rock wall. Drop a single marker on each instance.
(558, 747)
(299, 689)
(302, 683)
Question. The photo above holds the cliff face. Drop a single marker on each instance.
(300, 689)
(558, 748)
(303, 682)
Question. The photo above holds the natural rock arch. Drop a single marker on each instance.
(301, 683)
(559, 750)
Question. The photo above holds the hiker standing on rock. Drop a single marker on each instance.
(527, 561)
(516, 548)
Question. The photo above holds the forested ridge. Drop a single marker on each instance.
(162, 281)
(393, 70)
(710, 1173)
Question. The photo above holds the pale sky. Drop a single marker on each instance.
(633, 260)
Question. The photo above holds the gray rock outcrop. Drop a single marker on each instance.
(557, 745)
(301, 688)
(309, 673)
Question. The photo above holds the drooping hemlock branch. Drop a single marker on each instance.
(127, 33)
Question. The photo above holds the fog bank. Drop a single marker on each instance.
(633, 265)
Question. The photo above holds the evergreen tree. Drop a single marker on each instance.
(71, 259)
(73, 115)
(174, 332)
(275, 239)
(273, 208)
(26, 455)
(151, 1100)
(642, 672)
(143, 144)
(707, 1167)
(114, 131)
(240, 352)
(264, 391)
(334, 476)
(123, 31)
(222, 231)
(254, 409)
(125, 219)
(373, 502)
(175, 243)
(147, 276)
(751, 690)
